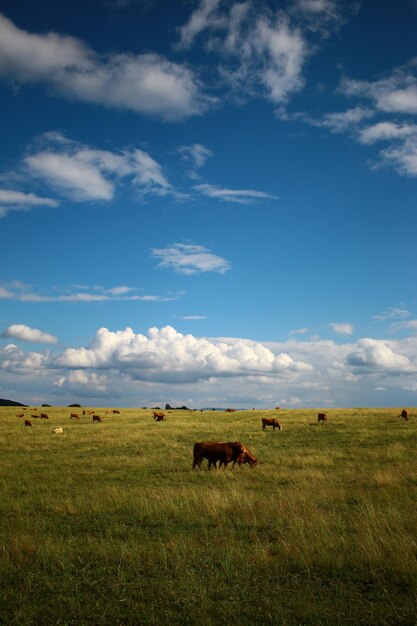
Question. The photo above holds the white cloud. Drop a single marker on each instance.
(385, 131)
(342, 329)
(11, 200)
(196, 154)
(194, 317)
(408, 325)
(396, 93)
(85, 173)
(144, 83)
(391, 312)
(26, 333)
(164, 365)
(81, 381)
(343, 121)
(377, 354)
(202, 18)
(241, 196)
(79, 293)
(166, 355)
(402, 157)
(262, 53)
(189, 259)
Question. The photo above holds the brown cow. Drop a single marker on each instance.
(271, 421)
(44, 416)
(230, 410)
(246, 457)
(215, 451)
(20, 415)
(35, 416)
(74, 416)
(404, 414)
(28, 423)
(116, 412)
(322, 418)
(159, 417)
(97, 418)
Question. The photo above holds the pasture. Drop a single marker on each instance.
(108, 524)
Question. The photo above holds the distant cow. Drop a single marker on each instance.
(230, 410)
(322, 418)
(116, 412)
(271, 421)
(159, 417)
(20, 415)
(246, 457)
(35, 416)
(44, 416)
(74, 416)
(97, 418)
(58, 430)
(28, 423)
(277, 408)
(215, 451)
(404, 414)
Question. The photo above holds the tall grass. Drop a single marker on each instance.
(109, 524)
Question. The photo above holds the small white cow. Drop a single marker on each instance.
(58, 430)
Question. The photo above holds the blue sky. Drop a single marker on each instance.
(209, 202)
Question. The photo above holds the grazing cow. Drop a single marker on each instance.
(271, 421)
(44, 416)
(84, 412)
(230, 410)
(97, 418)
(246, 457)
(58, 430)
(322, 418)
(116, 412)
(35, 416)
(20, 415)
(215, 451)
(159, 417)
(74, 416)
(404, 414)
(277, 408)
(28, 423)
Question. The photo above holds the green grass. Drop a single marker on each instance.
(108, 523)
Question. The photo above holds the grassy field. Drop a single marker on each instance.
(108, 523)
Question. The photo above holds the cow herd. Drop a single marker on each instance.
(215, 452)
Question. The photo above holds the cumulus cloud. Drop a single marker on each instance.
(163, 364)
(85, 173)
(82, 382)
(377, 354)
(240, 196)
(144, 83)
(11, 200)
(166, 355)
(189, 259)
(26, 333)
(342, 329)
